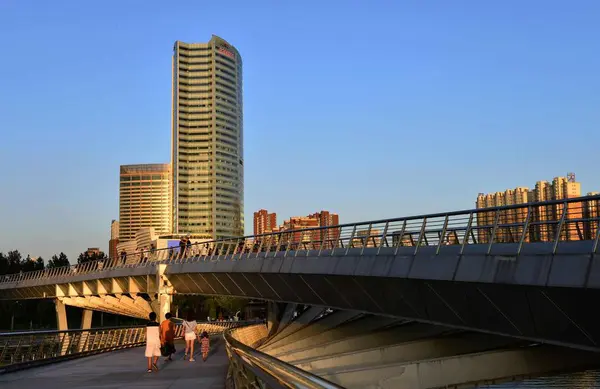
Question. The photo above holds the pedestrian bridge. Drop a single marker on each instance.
(299, 347)
(503, 271)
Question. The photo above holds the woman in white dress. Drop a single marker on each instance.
(190, 334)
(152, 343)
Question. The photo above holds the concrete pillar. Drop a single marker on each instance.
(164, 292)
(86, 324)
(61, 324)
(272, 317)
(164, 301)
(86, 319)
(61, 315)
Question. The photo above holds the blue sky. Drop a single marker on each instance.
(371, 109)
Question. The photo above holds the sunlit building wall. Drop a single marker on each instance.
(144, 199)
(207, 139)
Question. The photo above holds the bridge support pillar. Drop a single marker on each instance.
(164, 296)
(86, 324)
(86, 319)
(62, 325)
(61, 315)
(272, 317)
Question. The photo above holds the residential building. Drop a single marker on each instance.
(144, 199)
(264, 222)
(592, 211)
(486, 220)
(510, 222)
(319, 219)
(207, 140)
(93, 251)
(114, 239)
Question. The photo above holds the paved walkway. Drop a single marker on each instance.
(125, 369)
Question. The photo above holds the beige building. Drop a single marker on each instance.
(144, 199)
(485, 220)
(114, 239)
(207, 140)
(540, 230)
(592, 211)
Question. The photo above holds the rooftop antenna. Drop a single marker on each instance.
(571, 177)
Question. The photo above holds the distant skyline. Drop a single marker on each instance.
(368, 109)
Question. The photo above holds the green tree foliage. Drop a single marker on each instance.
(58, 261)
(85, 257)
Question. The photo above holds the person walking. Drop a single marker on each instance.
(152, 343)
(167, 337)
(189, 328)
(204, 345)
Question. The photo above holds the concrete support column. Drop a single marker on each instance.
(272, 317)
(86, 319)
(61, 324)
(164, 293)
(61, 315)
(86, 324)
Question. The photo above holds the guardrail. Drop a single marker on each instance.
(551, 222)
(251, 368)
(19, 350)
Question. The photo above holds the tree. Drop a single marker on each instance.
(86, 257)
(58, 261)
(29, 264)
(228, 304)
(3, 264)
(14, 262)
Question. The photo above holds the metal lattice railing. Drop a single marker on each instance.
(23, 349)
(552, 222)
(250, 368)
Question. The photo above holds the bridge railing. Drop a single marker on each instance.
(251, 368)
(20, 350)
(551, 222)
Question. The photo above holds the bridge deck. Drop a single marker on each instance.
(125, 369)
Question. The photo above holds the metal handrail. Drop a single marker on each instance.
(19, 350)
(277, 373)
(519, 224)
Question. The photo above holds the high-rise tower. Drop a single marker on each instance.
(144, 199)
(207, 139)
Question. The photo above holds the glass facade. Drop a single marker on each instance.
(207, 140)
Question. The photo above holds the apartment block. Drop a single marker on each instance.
(592, 211)
(264, 222)
(541, 228)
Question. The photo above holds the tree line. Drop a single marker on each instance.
(13, 262)
(40, 313)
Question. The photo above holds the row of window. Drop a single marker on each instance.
(138, 178)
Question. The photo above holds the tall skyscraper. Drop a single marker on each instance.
(207, 139)
(264, 221)
(144, 199)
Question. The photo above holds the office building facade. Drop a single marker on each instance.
(207, 140)
(144, 199)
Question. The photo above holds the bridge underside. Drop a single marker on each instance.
(537, 297)
(561, 316)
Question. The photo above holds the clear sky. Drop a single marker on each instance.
(371, 109)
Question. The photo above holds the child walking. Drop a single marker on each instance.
(152, 342)
(204, 345)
